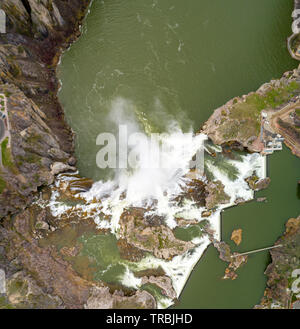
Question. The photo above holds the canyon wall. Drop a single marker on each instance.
(39, 137)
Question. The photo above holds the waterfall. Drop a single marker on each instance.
(155, 188)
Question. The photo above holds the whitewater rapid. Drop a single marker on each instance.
(156, 188)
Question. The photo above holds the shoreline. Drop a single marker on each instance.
(62, 156)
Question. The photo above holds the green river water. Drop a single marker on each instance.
(179, 60)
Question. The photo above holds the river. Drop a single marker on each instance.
(176, 61)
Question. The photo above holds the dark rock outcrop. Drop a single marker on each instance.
(37, 32)
(240, 121)
(159, 239)
(284, 270)
(38, 275)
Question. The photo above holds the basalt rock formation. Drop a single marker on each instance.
(40, 145)
(241, 119)
(283, 289)
(158, 239)
(42, 274)
(37, 32)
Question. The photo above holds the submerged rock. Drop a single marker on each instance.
(263, 199)
(224, 250)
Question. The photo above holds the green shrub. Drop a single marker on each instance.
(6, 155)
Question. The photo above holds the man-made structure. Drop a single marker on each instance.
(273, 143)
(271, 140)
(271, 132)
(255, 251)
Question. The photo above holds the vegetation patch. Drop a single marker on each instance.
(6, 154)
(28, 158)
(2, 185)
(244, 118)
(216, 195)
(4, 304)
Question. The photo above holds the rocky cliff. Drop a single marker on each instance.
(283, 273)
(241, 119)
(38, 145)
(37, 32)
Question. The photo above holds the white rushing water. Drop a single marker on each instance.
(156, 188)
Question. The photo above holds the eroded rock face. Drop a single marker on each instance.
(32, 152)
(101, 298)
(40, 276)
(284, 271)
(158, 239)
(239, 120)
(195, 190)
(216, 195)
(164, 283)
(26, 293)
(40, 145)
(37, 32)
(257, 184)
(44, 18)
(49, 269)
(224, 250)
(129, 252)
(60, 167)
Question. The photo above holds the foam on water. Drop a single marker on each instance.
(129, 280)
(239, 188)
(156, 188)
